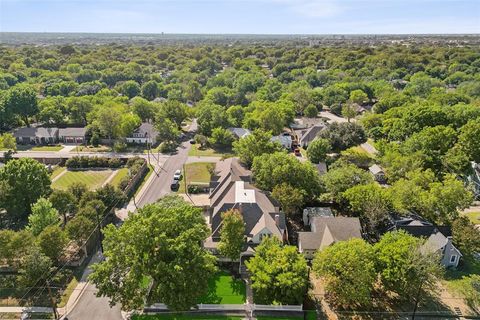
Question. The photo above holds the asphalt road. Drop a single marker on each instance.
(89, 307)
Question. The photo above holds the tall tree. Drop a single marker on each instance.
(232, 236)
(35, 268)
(162, 243)
(348, 268)
(64, 201)
(52, 242)
(254, 145)
(21, 100)
(405, 265)
(279, 273)
(317, 150)
(43, 215)
(466, 237)
(26, 181)
(291, 199)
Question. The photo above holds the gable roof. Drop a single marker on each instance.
(72, 132)
(232, 190)
(39, 132)
(239, 132)
(328, 230)
(146, 129)
(310, 134)
(375, 169)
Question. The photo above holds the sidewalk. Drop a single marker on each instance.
(79, 289)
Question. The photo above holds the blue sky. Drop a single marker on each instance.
(242, 16)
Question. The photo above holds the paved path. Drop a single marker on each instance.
(192, 159)
(110, 177)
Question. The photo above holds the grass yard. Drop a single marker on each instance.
(56, 171)
(225, 289)
(195, 151)
(93, 179)
(197, 172)
(121, 173)
(183, 317)
(473, 216)
(22, 147)
(67, 292)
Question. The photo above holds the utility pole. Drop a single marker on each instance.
(52, 300)
(417, 300)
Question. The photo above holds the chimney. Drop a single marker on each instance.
(277, 220)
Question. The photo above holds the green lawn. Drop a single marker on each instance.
(195, 151)
(225, 289)
(183, 317)
(21, 147)
(56, 171)
(121, 173)
(197, 172)
(473, 216)
(93, 179)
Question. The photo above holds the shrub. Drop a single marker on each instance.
(114, 163)
(120, 146)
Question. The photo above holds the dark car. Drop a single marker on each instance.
(192, 141)
(175, 185)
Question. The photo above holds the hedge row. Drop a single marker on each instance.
(92, 162)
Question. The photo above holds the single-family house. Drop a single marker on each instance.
(307, 135)
(73, 135)
(36, 135)
(378, 173)
(285, 140)
(438, 238)
(145, 133)
(231, 189)
(325, 231)
(239, 133)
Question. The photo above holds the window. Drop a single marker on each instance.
(453, 259)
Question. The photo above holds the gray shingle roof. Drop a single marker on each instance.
(328, 230)
(39, 132)
(72, 132)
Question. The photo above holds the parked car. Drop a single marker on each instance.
(192, 141)
(177, 175)
(175, 185)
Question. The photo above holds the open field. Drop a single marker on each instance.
(56, 171)
(197, 172)
(225, 289)
(93, 179)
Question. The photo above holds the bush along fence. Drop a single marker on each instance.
(84, 162)
(137, 169)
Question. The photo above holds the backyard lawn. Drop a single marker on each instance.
(195, 151)
(93, 179)
(197, 172)
(121, 173)
(183, 317)
(225, 289)
(56, 171)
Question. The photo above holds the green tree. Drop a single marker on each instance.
(130, 88)
(270, 170)
(290, 198)
(15, 246)
(318, 149)
(173, 110)
(79, 229)
(162, 243)
(371, 201)
(210, 116)
(311, 111)
(348, 269)
(254, 145)
(143, 108)
(27, 180)
(35, 268)
(129, 122)
(108, 122)
(343, 176)
(279, 273)
(232, 236)
(52, 242)
(221, 138)
(7, 141)
(64, 201)
(404, 265)
(466, 237)
(469, 141)
(349, 112)
(77, 188)
(150, 90)
(21, 100)
(43, 215)
(358, 96)
(344, 135)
